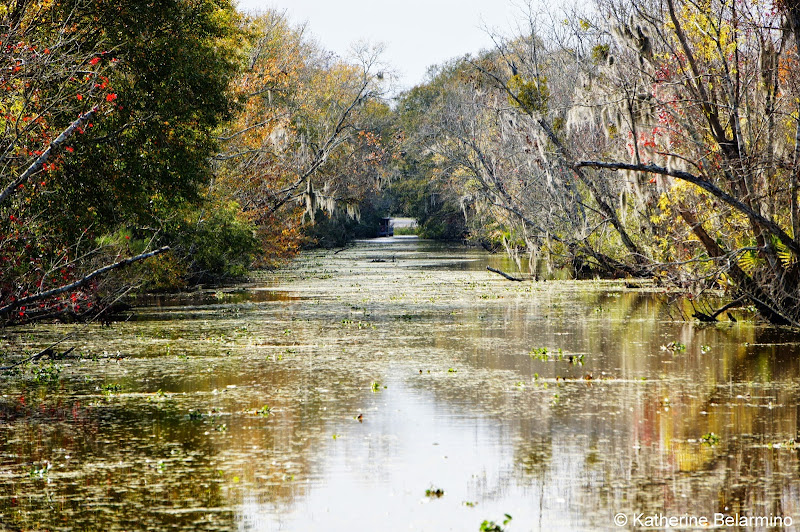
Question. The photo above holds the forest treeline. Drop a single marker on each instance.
(156, 145)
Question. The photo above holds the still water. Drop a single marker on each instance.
(398, 385)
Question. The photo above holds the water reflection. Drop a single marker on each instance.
(162, 423)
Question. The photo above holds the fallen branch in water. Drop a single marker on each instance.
(504, 274)
(80, 282)
(48, 351)
(712, 318)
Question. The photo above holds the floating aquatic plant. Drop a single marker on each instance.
(491, 526)
(434, 493)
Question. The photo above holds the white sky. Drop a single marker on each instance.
(416, 33)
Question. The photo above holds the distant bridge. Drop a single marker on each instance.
(388, 225)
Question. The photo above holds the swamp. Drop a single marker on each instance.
(255, 278)
(398, 385)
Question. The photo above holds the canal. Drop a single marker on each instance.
(398, 385)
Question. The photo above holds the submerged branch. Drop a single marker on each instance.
(504, 274)
(712, 318)
(47, 351)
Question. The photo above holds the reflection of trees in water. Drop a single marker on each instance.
(534, 456)
(604, 446)
(611, 469)
(142, 460)
(633, 446)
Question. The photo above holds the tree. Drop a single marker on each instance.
(538, 72)
(419, 188)
(717, 132)
(685, 116)
(107, 117)
(496, 127)
(310, 135)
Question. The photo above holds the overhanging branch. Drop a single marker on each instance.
(706, 185)
(42, 159)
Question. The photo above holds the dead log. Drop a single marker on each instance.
(47, 352)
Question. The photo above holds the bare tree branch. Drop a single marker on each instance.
(504, 274)
(80, 282)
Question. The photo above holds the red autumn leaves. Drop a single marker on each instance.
(111, 96)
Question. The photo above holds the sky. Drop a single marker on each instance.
(416, 33)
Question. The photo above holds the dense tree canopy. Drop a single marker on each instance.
(312, 136)
(134, 91)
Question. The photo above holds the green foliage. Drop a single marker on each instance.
(163, 274)
(785, 255)
(600, 53)
(675, 347)
(170, 74)
(419, 189)
(158, 76)
(417, 193)
(215, 242)
(307, 149)
(443, 225)
(406, 231)
(434, 493)
(210, 244)
(110, 389)
(750, 260)
(47, 374)
(532, 96)
(336, 229)
(491, 526)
